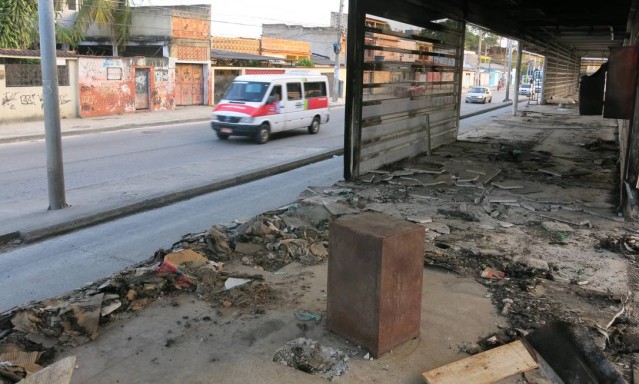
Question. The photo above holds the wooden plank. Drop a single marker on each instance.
(59, 372)
(486, 367)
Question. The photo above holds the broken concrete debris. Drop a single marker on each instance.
(311, 357)
(468, 191)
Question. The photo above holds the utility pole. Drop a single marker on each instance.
(509, 47)
(55, 172)
(337, 48)
(478, 72)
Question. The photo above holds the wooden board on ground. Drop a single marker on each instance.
(486, 367)
(59, 372)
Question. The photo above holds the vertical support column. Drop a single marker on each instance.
(55, 172)
(459, 73)
(517, 78)
(354, 88)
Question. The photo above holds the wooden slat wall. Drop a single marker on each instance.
(562, 73)
(400, 98)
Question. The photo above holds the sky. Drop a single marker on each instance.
(244, 18)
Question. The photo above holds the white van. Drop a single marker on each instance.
(259, 105)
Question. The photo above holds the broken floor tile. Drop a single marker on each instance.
(407, 182)
(403, 172)
(367, 178)
(552, 226)
(440, 228)
(339, 209)
(427, 180)
(420, 220)
(248, 248)
(507, 185)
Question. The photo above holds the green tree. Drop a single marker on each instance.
(305, 62)
(112, 14)
(20, 29)
(17, 21)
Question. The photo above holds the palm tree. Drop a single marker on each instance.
(112, 14)
(17, 23)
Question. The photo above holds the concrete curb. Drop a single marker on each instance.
(171, 198)
(486, 110)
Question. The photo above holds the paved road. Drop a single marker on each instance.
(111, 173)
(59, 264)
(111, 169)
(63, 263)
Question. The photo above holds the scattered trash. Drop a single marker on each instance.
(506, 307)
(493, 274)
(470, 347)
(233, 282)
(307, 316)
(59, 372)
(311, 357)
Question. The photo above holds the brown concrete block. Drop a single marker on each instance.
(375, 270)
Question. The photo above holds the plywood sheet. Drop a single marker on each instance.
(486, 367)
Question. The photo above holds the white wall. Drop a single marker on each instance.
(27, 103)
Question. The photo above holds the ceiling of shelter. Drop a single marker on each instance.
(587, 29)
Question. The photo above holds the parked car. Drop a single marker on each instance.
(525, 89)
(479, 95)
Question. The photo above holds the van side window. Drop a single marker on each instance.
(314, 89)
(294, 91)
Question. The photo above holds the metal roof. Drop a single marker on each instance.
(31, 53)
(229, 55)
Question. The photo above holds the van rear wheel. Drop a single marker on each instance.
(315, 126)
(263, 134)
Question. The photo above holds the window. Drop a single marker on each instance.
(315, 89)
(246, 91)
(294, 91)
(30, 75)
(114, 73)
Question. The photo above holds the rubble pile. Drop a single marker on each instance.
(540, 231)
(194, 265)
(524, 223)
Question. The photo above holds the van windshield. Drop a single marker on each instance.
(478, 90)
(246, 91)
(524, 86)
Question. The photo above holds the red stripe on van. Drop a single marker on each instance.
(240, 108)
(317, 102)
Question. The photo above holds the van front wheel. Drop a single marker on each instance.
(315, 126)
(263, 134)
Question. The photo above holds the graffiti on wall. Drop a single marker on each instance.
(8, 99)
(157, 62)
(89, 70)
(12, 99)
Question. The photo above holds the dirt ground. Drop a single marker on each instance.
(530, 198)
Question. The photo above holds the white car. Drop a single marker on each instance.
(479, 95)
